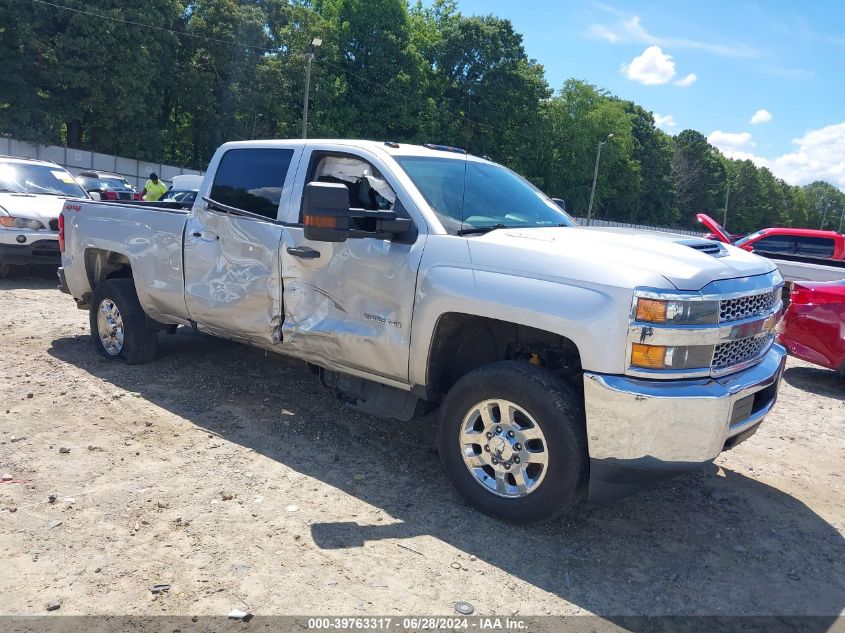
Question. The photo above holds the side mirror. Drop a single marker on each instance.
(560, 202)
(95, 195)
(325, 212)
(326, 217)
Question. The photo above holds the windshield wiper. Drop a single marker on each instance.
(483, 229)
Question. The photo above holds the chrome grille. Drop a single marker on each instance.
(734, 352)
(748, 306)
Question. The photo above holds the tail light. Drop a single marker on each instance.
(62, 232)
(818, 294)
(136, 195)
(109, 195)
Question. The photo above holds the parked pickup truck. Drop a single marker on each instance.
(566, 362)
(800, 254)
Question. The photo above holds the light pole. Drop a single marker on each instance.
(727, 195)
(595, 177)
(315, 43)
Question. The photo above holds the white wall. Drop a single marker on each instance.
(76, 160)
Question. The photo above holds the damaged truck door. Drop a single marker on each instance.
(349, 274)
(232, 264)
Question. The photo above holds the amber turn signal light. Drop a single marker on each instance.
(320, 221)
(651, 310)
(648, 356)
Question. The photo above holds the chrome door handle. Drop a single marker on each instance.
(303, 252)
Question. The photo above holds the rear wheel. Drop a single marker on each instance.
(119, 327)
(512, 440)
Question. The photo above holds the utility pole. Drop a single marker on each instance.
(309, 57)
(727, 195)
(841, 216)
(595, 177)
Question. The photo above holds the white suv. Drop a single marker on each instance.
(32, 194)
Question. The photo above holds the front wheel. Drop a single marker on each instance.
(119, 327)
(512, 440)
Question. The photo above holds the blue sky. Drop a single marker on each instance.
(709, 66)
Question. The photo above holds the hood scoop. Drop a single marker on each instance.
(706, 246)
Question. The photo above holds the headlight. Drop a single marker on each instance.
(10, 222)
(671, 357)
(676, 312)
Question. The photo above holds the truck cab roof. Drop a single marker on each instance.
(386, 147)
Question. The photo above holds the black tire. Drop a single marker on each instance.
(555, 408)
(4, 270)
(140, 338)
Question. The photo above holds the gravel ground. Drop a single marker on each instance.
(231, 475)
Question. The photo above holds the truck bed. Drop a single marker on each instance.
(151, 235)
(797, 268)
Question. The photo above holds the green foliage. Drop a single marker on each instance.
(825, 205)
(170, 80)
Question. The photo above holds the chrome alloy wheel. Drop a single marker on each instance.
(504, 448)
(110, 327)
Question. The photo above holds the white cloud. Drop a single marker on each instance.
(652, 68)
(729, 142)
(628, 28)
(664, 121)
(761, 116)
(687, 81)
(820, 155)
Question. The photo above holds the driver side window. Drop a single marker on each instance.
(367, 187)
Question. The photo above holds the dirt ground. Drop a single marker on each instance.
(231, 475)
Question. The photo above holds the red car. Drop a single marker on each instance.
(784, 241)
(813, 327)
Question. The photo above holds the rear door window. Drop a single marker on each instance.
(252, 179)
(775, 244)
(815, 246)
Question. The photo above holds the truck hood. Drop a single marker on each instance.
(32, 206)
(616, 257)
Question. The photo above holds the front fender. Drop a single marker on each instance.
(592, 317)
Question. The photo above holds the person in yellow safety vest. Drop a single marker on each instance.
(154, 189)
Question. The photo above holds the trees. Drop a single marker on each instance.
(699, 175)
(825, 205)
(653, 151)
(73, 78)
(574, 122)
(482, 74)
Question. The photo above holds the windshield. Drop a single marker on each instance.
(41, 179)
(494, 197)
(747, 238)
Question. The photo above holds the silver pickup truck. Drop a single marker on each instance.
(566, 362)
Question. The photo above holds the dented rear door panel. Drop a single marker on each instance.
(233, 279)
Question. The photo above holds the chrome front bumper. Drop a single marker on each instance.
(640, 429)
